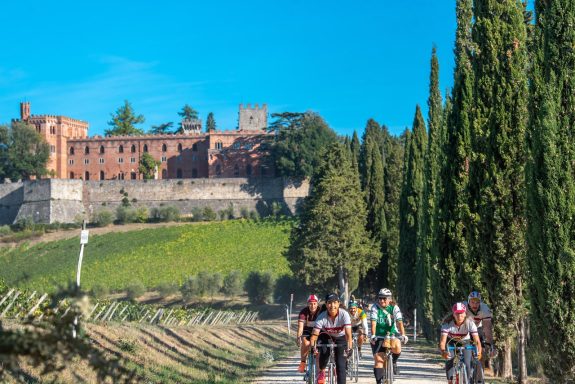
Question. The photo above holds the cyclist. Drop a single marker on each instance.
(335, 324)
(458, 328)
(481, 315)
(386, 318)
(305, 324)
(358, 323)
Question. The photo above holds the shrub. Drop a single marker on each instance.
(125, 215)
(100, 291)
(244, 213)
(190, 288)
(24, 224)
(142, 215)
(125, 202)
(260, 287)
(128, 346)
(135, 289)
(215, 282)
(5, 230)
(286, 285)
(103, 218)
(197, 214)
(167, 289)
(233, 284)
(164, 214)
(209, 214)
(254, 215)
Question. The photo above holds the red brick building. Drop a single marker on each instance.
(235, 153)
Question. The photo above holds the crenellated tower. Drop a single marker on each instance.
(253, 119)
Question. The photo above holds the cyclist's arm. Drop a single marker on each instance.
(442, 342)
(348, 337)
(401, 327)
(314, 335)
(364, 325)
(475, 337)
(300, 324)
(373, 324)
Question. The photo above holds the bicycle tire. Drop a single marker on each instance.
(390, 368)
(356, 363)
(331, 373)
(478, 373)
(462, 374)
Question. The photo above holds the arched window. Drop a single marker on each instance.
(133, 149)
(121, 176)
(71, 175)
(164, 147)
(236, 170)
(145, 147)
(219, 145)
(102, 175)
(71, 150)
(102, 149)
(133, 176)
(195, 147)
(87, 176)
(121, 149)
(179, 173)
(164, 173)
(194, 173)
(87, 150)
(249, 170)
(179, 147)
(218, 169)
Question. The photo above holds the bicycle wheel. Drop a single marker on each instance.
(331, 373)
(311, 369)
(356, 363)
(462, 374)
(477, 372)
(390, 369)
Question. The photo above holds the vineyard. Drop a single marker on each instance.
(151, 256)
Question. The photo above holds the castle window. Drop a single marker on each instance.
(101, 149)
(195, 147)
(164, 159)
(121, 176)
(120, 160)
(164, 147)
(219, 145)
(71, 162)
(102, 175)
(52, 149)
(133, 175)
(133, 149)
(236, 170)
(179, 147)
(121, 149)
(132, 160)
(101, 160)
(71, 175)
(86, 161)
(87, 150)
(179, 173)
(194, 173)
(145, 147)
(164, 173)
(218, 169)
(71, 150)
(249, 170)
(86, 175)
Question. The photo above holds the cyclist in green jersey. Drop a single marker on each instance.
(386, 319)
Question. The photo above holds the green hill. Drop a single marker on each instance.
(152, 256)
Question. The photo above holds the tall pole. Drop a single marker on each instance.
(83, 241)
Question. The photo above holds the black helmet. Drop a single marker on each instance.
(331, 297)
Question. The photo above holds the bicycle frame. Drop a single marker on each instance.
(311, 369)
(461, 375)
(353, 361)
(386, 341)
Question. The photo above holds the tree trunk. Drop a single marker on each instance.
(521, 360)
(506, 361)
(343, 283)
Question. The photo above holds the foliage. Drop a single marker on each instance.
(100, 291)
(233, 284)
(148, 166)
(167, 289)
(103, 218)
(188, 113)
(301, 140)
(142, 214)
(161, 129)
(23, 152)
(209, 214)
(125, 215)
(165, 214)
(331, 241)
(135, 289)
(210, 123)
(123, 122)
(260, 287)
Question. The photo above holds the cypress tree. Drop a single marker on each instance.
(498, 170)
(427, 227)
(410, 214)
(354, 147)
(210, 123)
(453, 276)
(551, 188)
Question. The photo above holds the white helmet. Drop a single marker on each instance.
(384, 292)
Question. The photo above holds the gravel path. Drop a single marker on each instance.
(413, 367)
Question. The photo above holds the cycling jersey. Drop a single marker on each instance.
(462, 332)
(482, 313)
(386, 318)
(360, 319)
(334, 328)
(307, 317)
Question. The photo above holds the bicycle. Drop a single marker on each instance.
(386, 342)
(353, 361)
(330, 369)
(311, 369)
(461, 374)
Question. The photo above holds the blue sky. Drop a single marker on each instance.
(348, 61)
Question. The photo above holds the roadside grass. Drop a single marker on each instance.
(150, 256)
(217, 354)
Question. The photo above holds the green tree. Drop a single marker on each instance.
(188, 113)
(498, 169)
(25, 153)
(354, 147)
(148, 166)
(331, 243)
(123, 122)
(161, 129)
(455, 274)
(410, 214)
(551, 188)
(301, 141)
(210, 123)
(427, 230)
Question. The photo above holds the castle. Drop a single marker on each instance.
(216, 154)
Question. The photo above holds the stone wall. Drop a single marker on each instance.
(65, 201)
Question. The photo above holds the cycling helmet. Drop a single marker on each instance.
(384, 292)
(474, 295)
(353, 304)
(459, 308)
(312, 299)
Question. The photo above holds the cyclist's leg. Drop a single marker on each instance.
(377, 361)
(396, 352)
(449, 370)
(340, 360)
(467, 357)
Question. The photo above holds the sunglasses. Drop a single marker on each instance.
(384, 298)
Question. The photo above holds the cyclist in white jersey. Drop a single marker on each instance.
(335, 325)
(458, 328)
(481, 315)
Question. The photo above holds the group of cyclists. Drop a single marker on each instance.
(333, 323)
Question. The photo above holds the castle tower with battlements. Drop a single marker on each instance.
(253, 119)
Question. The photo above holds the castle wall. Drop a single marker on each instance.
(11, 199)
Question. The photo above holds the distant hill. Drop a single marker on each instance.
(152, 256)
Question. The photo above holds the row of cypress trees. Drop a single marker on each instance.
(488, 197)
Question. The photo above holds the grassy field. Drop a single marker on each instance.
(151, 256)
(201, 354)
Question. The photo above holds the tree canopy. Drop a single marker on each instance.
(23, 152)
(123, 122)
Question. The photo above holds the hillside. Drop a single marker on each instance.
(151, 256)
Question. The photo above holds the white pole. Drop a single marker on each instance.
(288, 320)
(414, 325)
(83, 241)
